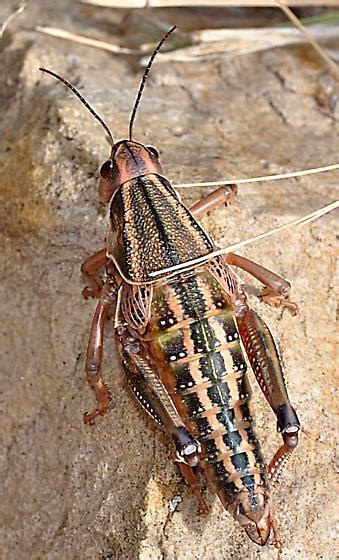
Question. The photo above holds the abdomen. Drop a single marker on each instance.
(195, 344)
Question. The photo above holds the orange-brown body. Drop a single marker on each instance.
(180, 316)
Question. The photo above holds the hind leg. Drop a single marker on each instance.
(191, 480)
(154, 398)
(266, 365)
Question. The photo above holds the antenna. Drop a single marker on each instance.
(144, 78)
(82, 99)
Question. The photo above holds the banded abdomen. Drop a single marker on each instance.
(195, 344)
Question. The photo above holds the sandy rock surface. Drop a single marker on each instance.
(103, 492)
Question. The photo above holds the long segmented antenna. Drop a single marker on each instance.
(144, 78)
(82, 99)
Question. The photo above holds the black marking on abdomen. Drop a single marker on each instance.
(240, 461)
(194, 406)
(219, 394)
(203, 336)
(213, 366)
(211, 449)
(183, 377)
(190, 298)
(249, 482)
(175, 346)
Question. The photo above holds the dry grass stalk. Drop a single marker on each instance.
(16, 12)
(291, 175)
(203, 3)
(258, 34)
(321, 52)
(88, 41)
(235, 42)
(298, 221)
(232, 41)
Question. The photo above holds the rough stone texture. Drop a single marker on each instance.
(74, 492)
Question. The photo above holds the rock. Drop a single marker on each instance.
(76, 492)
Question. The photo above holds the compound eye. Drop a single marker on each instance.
(106, 168)
(153, 151)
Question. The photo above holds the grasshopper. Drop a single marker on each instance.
(183, 327)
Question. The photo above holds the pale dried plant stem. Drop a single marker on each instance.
(321, 52)
(235, 246)
(291, 175)
(279, 35)
(88, 41)
(229, 42)
(202, 3)
(16, 12)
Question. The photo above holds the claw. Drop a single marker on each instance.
(268, 296)
(204, 508)
(233, 194)
(103, 395)
(90, 292)
(90, 416)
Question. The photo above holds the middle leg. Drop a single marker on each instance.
(276, 291)
(95, 351)
(90, 269)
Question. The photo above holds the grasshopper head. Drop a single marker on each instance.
(128, 160)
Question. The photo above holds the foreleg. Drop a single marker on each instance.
(223, 195)
(276, 290)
